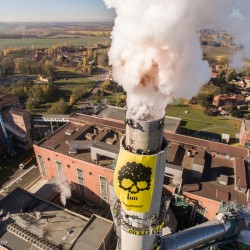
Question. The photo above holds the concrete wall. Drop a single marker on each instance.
(91, 172)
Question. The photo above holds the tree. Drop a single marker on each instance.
(72, 100)
(59, 107)
(230, 75)
(208, 112)
(106, 85)
(32, 104)
(102, 58)
(48, 70)
(121, 100)
(237, 113)
(8, 66)
(37, 93)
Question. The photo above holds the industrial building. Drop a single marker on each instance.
(87, 148)
(245, 133)
(29, 222)
(15, 126)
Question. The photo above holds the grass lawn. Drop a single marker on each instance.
(195, 120)
(68, 80)
(86, 82)
(109, 97)
(214, 52)
(62, 73)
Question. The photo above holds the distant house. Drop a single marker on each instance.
(214, 74)
(44, 79)
(248, 99)
(225, 138)
(245, 133)
(222, 99)
(242, 107)
(247, 79)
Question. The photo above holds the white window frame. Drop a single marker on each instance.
(107, 192)
(82, 188)
(59, 169)
(42, 165)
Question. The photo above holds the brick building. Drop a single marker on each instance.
(85, 151)
(87, 147)
(9, 101)
(17, 121)
(222, 99)
(245, 132)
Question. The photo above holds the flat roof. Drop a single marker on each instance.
(224, 162)
(247, 125)
(7, 99)
(209, 145)
(58, 228)
(94, 234)
(171, 123)
(61, 142)
(209, 185)
(20, 112)
(113, 113)
(51, 228)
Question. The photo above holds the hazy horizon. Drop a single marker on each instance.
(26, 11)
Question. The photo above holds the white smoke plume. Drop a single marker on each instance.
(156, 54)
(63, 187)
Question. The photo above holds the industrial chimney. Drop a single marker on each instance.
(138, 183)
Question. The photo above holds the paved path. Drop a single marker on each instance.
(21, 178)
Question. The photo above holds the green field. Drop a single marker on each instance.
(70, 83)
(48, 42)
(195, 120)
(215, 52)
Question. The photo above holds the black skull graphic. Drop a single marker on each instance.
(134, 177)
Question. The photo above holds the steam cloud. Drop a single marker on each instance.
(63, 187)
(156, 54)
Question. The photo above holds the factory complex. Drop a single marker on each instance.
(199, 178)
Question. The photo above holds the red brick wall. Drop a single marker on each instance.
(244, 135)
(91, 172)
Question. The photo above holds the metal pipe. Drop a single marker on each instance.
(196, 236)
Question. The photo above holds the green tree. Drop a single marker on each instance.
(121, 100)
(31, 104)
(59, 107)
(106, 85)
(102, 59)
(8, 66)
(71, 100)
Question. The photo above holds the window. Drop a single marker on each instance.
(59, 166)
(103, 189)
(42, 165)
(81, 182)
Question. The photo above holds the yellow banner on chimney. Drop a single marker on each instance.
(134, 180)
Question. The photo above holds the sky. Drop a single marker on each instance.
(54, 10)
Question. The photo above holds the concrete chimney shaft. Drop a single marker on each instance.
(138, 182)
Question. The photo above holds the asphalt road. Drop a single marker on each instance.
(24, 178)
